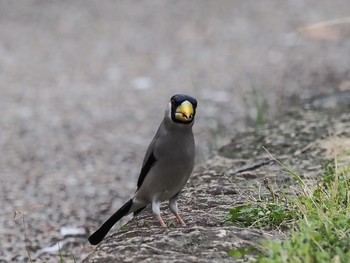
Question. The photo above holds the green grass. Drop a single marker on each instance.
(262, 109)
(62, 257)
(258, 104)
(316, 222)
(265, 215)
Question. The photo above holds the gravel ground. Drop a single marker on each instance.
(84, 84)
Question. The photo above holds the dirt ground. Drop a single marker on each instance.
(84, 84)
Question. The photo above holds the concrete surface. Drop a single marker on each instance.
(83, 87)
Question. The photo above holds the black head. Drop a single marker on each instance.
(183, 108)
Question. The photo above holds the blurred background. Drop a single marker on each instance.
(84, 86)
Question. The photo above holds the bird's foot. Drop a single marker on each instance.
(161, 221)
(180, 220)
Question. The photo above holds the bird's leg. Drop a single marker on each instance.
(161, 221)
(175, 210)
(178, 217)
(156, 211)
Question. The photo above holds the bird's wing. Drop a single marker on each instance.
(145, 169)
(150, 158)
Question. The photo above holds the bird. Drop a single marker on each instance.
(166, 168)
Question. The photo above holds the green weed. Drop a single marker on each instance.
(317, 221)
(259, 106)
(265, 215)
(323, 232)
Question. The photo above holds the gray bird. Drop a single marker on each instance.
(166, 167)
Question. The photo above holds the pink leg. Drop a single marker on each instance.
(174, 209)
(161, 221)
(178, 217)
(156, 211)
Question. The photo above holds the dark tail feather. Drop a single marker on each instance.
(138, 211)
(100, 233)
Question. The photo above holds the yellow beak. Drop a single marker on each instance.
(185, 111)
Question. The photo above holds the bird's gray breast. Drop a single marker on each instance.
(174, 154)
